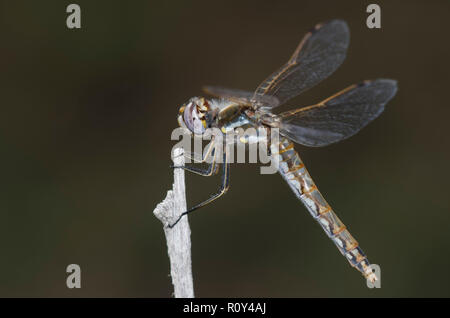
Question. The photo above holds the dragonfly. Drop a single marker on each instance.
(321, 51)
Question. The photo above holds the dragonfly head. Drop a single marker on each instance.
(193, 115)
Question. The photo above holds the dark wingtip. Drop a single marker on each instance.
(382, 81)
(333, 22)
(338, 21)
(390, 84)
(387, 84)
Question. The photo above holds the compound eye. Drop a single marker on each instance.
(194, 120)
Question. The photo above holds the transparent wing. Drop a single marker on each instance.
(240, 96)
(237, 95)
(318, 55)
(339, 116)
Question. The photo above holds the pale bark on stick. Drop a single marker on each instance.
(179, 237)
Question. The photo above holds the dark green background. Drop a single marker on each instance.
(85, 124)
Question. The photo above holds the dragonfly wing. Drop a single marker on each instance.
(240, 96)
(318, 55)
(339, 116)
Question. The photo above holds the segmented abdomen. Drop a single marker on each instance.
(294, 172)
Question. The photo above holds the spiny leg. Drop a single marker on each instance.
(205, 156)
(192, 155)
(211, 152)
(223, 189)
(203, 172)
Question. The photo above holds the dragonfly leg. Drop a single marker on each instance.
(193, 156)
(203, 172)
(223, 189)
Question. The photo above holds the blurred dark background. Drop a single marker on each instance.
(86, 118)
